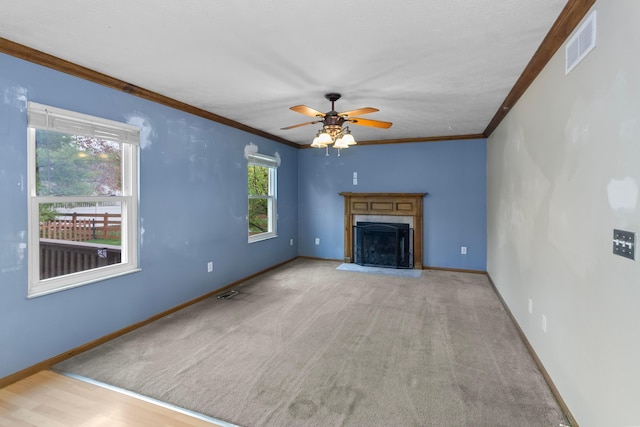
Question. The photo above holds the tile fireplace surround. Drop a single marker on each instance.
(383, 205)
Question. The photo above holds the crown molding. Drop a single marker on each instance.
(38, 57)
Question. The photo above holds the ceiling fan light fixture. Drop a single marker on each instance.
(340, 143)
(347, 138)
(332, 132)
(316, 141)
(324, 138)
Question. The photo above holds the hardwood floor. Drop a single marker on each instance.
(51, 399)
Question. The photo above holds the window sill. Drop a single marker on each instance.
(42, 290)
(261, 237)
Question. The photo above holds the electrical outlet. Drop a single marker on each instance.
(530, 306)
(463, 250)
(317, 240)
(544, 323)
(209, 266)
(290, 242)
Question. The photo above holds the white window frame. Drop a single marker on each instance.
(270, 162)
(58, 120)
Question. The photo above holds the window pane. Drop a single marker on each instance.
(258, 180)
(258, 216)
(78, 236)
(73, 165)
(261, 181)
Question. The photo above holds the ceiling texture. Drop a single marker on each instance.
(437, 69)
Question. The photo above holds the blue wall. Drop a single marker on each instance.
(193, 208)
(452, 172)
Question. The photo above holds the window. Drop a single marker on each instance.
(83, 199)
(262, 174)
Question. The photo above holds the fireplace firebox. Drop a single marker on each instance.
(378, 244)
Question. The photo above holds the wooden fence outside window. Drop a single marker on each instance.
(81, 227)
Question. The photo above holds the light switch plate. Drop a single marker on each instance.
(624, 243)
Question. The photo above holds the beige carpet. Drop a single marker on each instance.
(307, 345)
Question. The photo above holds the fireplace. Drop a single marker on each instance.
(380, 244)
(390, 209)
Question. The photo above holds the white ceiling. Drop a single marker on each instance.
(432, 67)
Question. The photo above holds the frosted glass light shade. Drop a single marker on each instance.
(340, 143)
(324, 139)
(349, 139)
(317, 141)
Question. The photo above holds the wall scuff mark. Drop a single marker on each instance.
(623, 194)
(249, 149)
(16, 96)
(146, 131)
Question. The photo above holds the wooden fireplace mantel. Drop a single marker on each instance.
(397, 204)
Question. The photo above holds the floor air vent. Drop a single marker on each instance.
(581, 43)
(228, 294)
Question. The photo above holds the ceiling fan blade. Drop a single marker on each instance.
(307, 111)
(301, 124)
(359, 111)
(372, 123)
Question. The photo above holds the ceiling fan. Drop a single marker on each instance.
(332, 131)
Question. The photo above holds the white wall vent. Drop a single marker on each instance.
(581, 43)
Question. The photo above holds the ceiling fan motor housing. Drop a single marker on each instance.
(333, 119)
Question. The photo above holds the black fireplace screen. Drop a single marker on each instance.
(380, 244)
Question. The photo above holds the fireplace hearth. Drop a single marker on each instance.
(378, 244)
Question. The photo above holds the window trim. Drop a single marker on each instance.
(58, 120)
(272, 163)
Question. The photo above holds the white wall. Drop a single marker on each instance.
(563, 172)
